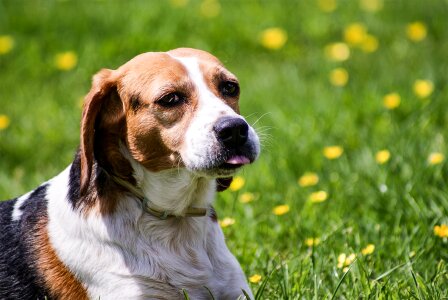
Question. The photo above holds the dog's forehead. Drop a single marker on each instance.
(168, 66)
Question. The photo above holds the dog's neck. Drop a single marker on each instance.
(173, 190)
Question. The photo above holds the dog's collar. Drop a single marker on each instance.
(146, 203)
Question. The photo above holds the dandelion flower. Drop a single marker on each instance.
(392, 100)
(355, 33)
(337, 52)
(310, 242)
(178, 3)
(333, 152)
(4, 122)
(371, 5)
(308, 179)
(318, 197)
(441, 230)
(66, 61)
(350, 259)
(273, 38)
(210, 8)
(6, 44)
(341, 260)
(246, 197)
(327, 5)
(423, 88)
(280, 210)
(416, 31)
(338, 77)
(382, 156)
(368, 249)
(226, 222)
(369, 44)
(436, 158)
(237, 183)
(256, 278)
(345, 261)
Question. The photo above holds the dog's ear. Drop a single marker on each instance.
(102, 85)
(223, 184)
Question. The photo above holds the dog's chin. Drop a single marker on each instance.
(220, 168)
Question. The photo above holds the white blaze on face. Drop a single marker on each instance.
(200, 140)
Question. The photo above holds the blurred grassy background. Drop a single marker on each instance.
(362, 76)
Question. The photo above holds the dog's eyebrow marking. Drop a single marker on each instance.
(17, 211)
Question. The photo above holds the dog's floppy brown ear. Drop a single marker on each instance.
(102, 84)
(223, 184)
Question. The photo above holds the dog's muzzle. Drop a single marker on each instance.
(232, 134)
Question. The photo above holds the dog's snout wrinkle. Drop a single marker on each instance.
(232, 132)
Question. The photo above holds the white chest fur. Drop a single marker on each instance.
(132, 255)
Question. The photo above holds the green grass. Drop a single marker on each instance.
(298, 112)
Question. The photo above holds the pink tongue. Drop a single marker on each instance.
(238, 160)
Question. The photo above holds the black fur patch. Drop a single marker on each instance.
(75, 181)
(213, 214)
(18, 276)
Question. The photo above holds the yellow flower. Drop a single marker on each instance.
(317, 197)
(416, 31)
(344, 260)
(382, 156)
(310, 242)
(280, 209)
(369, 44)
(210, 8)
(308, 179)
(341, 260)
(6, 44)
(436, 158)
(178, 3)
(66, 61)
(368, 249)
(392, 100)
(273, 38)
(327, 5)
(237, 183)
(355, 33)
(339, 77)
(371, 5)
(246, 197)
(4, 122)
(441, 230)
(256, 278)
(423, 88)
(337, 51)
(226, 222)
(333, 152)
(412, 254)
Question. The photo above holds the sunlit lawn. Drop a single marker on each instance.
(349, 197)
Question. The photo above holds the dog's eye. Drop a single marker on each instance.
(171, 100)
(229, 89)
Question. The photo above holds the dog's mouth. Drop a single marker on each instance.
(235, 162)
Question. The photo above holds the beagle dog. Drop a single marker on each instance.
(132, 216)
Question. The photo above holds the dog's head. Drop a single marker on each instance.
(170, 110)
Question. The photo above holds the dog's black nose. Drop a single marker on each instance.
(231, 132)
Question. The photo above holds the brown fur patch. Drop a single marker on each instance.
(58, 280)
